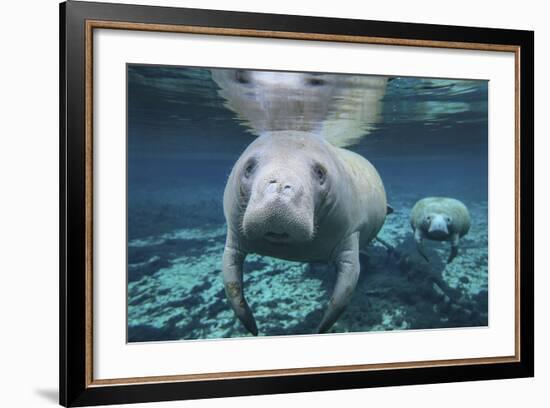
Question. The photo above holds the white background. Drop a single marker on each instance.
(29, 203)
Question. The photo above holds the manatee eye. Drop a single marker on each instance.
(250, 167)
(315, 81)
(320, 172)
(242, 77)
(448, 219)
(428, 218)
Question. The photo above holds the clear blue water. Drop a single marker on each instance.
(430, 140)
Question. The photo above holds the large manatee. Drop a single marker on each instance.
(294, 193)
(294, 196)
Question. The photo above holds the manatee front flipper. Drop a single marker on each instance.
(347, 267)
(233, 260)
(454, 248)
(419, 237)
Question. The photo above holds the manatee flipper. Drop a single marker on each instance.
(454, 248)
(419, 237)
(233, 260)
(347, 268)
(389, 209)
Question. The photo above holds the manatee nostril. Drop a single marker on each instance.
(277, 187)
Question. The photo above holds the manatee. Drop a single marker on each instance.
(294, 196)
(440, 219)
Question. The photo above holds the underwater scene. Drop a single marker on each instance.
(251, 209)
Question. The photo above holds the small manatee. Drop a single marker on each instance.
(440, 219)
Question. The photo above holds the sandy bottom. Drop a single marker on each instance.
(175, 288)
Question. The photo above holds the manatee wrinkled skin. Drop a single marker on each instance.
(440, 219)
(294, 196)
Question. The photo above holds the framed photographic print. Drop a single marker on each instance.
(255, 203)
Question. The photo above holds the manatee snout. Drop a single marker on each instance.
(438, 226)
(279, 188)
(279, 209)
(440, 219)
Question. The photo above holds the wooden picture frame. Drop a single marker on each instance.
(78, 20)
